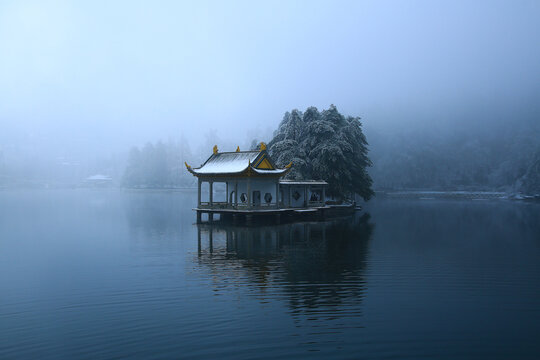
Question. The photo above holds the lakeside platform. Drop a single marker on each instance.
(273, 215)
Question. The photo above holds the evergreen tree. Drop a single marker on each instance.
(287, 145)
(325, 146)
(255, 145)
(530, 182)
(133, 173)
(159, 165)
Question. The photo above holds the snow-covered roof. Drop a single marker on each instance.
(237, 162)
(227, 162)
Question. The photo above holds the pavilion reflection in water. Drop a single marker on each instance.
(318, 266)
(265, 240)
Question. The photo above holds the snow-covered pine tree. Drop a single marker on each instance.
(358, 160)
(324, 146)
(286, 146)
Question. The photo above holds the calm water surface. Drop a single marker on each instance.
(110, 274)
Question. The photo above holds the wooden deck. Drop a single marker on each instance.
(272, 215)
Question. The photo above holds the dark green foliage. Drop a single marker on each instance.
(324, 145)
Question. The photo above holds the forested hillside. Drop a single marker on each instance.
(158, 165)
(495, 159)
(529, 183)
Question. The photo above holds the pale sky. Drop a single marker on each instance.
(105, 75)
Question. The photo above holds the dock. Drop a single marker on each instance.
(273, 215)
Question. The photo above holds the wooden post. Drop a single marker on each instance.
(211, 193)
(290, 239)
(278, 232)
(211, 240)
(324, 195)
(198, 217)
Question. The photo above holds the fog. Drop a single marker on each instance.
(81, 83)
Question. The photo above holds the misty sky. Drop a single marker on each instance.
(103, 75)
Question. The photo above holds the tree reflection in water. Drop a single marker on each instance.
(318, 266)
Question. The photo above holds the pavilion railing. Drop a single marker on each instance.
(213, 205)
(217, 205)
(240, 206)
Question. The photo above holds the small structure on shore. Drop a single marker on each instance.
(98, 180)
(254, 188)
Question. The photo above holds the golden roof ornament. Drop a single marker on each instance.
(263, 146)
(238, 149)
(215, 149)
(187, 166)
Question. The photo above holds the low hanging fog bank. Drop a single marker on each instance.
(482, 150)
(123, 94)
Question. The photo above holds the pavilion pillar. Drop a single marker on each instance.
(324, 195)
(211, 199)
(249, 192)
(236, 194)
(277, 193)
(227, 193)
(198, 192)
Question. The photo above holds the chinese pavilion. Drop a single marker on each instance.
(253, 185)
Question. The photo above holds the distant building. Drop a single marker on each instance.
(253, 185)
(98, 180)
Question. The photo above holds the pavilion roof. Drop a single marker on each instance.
(238, 163)
(227, 162)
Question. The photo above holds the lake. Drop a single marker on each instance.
(110, 274)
